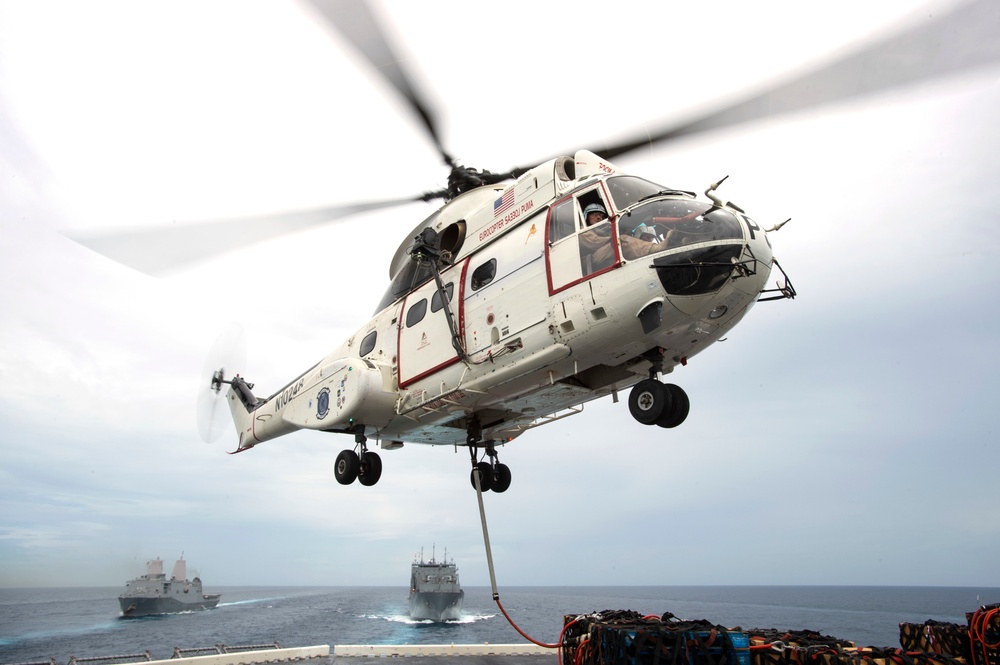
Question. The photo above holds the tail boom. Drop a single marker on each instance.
(253, 424)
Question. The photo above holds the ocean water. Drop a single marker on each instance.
(39, 624)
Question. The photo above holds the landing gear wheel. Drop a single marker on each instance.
(485, 472)
(679, 407)
(501, 478)
(648, 401)
(370, 469)
(347, 467)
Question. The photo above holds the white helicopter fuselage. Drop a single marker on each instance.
(546, 313)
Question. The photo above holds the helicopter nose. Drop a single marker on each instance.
(716, 284)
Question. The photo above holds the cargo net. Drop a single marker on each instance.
(984, 635)
(622, 637)
(977, 642)
(936, 637)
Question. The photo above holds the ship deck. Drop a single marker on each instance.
(481, 659)
(443, 654)
(361, 654)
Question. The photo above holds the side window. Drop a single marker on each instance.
(368, 343)
(484, 274)
(416, 313)
(436, 303)
(592, 197)
(597, 250)
(562, 223)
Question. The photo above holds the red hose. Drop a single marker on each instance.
(978, 624)
(523, 634)
(580, 651)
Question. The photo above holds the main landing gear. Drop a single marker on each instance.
(655, 403)
(492, 475)
(366, 468)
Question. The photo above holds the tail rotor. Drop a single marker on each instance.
(226, 357)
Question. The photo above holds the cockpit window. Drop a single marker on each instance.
(562, 221)
(678, 222)
(628, 190)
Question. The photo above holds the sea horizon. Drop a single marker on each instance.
(543, 586)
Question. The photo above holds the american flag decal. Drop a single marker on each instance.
(504, 202)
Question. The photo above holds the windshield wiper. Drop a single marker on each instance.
(666, 192)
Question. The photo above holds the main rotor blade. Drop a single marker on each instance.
(356, 23)
(960, 41)
(162, 249)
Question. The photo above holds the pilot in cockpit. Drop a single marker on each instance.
(645, 233)
(595, 242)
(594, 214)
(596, 251)
(644, 240)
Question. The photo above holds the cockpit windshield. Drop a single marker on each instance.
(627, 190)
(673, 223)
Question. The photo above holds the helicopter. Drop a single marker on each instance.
(507, 310)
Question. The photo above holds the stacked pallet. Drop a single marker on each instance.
(622, 637)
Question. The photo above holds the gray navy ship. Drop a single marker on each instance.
(153, 593)
(435, 593)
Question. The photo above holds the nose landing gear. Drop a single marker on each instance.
(654, 403)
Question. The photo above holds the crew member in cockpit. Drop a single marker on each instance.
(643, 240)
(594, 214)
(596, 251)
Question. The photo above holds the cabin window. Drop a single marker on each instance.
(484, 274)
(368, 343)
(409, 277)
(416, 313)
(436, 303)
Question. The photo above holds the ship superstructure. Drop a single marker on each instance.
(153, 593)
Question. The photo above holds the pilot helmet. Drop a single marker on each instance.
(643, 232)
(594, 207)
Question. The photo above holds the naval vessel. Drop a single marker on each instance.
(153, 593)
(435, 593)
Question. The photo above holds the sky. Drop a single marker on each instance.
(847, 437)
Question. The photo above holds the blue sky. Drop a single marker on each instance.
(847, 437)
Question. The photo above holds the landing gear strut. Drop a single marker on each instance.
(492, 475)
(350, 466)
